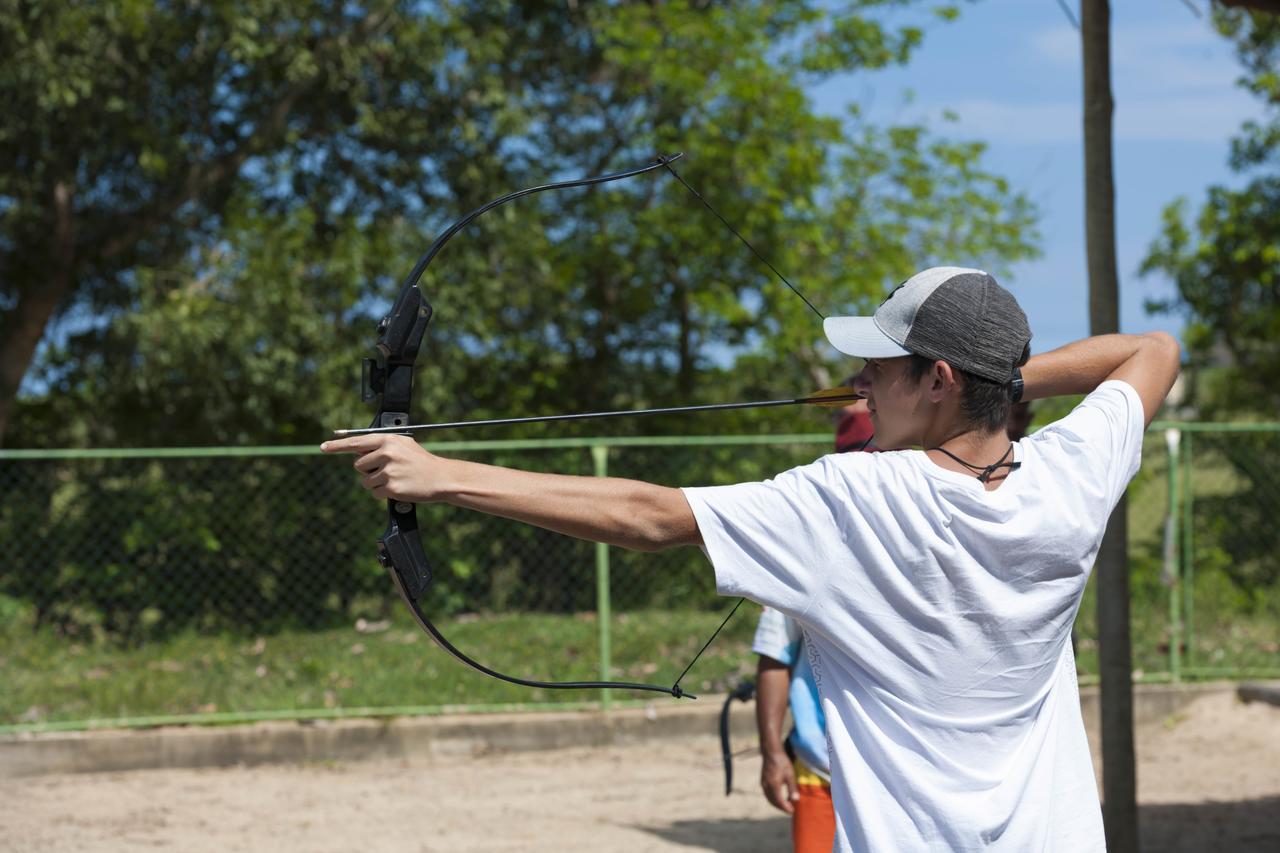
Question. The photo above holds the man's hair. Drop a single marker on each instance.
(984, 404)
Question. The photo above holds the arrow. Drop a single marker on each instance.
(830, 398)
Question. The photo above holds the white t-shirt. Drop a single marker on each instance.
(938, 622)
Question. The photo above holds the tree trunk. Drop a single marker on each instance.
(684, 370)
(22, 328)
(1119, 778)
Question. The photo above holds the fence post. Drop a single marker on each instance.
(1188, 551)
(600, 456)
(1170, 573)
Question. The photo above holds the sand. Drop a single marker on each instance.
(1209, 780)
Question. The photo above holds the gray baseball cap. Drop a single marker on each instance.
(959, 315)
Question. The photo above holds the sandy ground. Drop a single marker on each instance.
(1209, 781)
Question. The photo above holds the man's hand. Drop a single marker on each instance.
(778, 778)
(394, 466)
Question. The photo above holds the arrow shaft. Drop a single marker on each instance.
(582, 416)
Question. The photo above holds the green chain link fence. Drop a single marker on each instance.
(145, 586)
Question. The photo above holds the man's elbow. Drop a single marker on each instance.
(1169, 357)
(1168, 347)
(666, 521)
(1153, 371)
(661, 536)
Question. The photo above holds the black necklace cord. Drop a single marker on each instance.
(984, 472)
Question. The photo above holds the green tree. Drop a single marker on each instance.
(631, 295)
(132, 125)
(244, 324)
(1225, 264)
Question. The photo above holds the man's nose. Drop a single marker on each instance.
(861, 383)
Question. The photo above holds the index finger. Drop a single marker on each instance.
(360, 444)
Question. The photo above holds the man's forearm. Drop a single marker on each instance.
(629, 513)
(1080, 367)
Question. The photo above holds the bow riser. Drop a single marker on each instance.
(400, 551)
(389, 375)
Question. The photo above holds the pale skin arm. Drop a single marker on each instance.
(628, 513)
(1148, 362)
(645, 517)
(777, 775)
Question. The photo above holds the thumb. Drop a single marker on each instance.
(788, 794)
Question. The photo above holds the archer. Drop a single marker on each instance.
(936, 587)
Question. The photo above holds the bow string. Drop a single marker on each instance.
(387, 378)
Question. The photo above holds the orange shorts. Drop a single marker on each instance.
(813, 826)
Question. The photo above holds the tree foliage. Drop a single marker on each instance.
(216, 202)
(1225, 261)
(1225, 265)
(260, 201)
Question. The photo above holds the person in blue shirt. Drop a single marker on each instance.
(799, 785)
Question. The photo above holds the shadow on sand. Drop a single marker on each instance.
(731, 835)
(1238, 826)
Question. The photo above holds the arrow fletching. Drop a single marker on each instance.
(832, 398)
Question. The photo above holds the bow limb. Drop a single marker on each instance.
(388, 379)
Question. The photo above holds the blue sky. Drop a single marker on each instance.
(1011, 70)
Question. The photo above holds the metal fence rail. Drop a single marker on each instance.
(136, 547)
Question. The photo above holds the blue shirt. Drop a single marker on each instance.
(780, 638)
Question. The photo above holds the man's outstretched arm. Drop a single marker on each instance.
(1149, 363)
(628, 513)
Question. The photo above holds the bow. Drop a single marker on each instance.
(388, 379)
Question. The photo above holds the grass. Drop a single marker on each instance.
(368, 665)
(1227, 637)
(393, 664)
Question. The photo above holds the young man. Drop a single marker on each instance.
(936, 587)
(795, 770)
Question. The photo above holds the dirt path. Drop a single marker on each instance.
(1209, 780)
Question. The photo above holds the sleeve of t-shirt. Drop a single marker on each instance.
(766, 540)
(1105, 433)
(777, 637)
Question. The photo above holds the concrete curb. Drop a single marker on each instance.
(1152, 703)
(423, 739)
(419, 738)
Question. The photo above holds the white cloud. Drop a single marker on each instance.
(1060, 45)
(1006, 121)
(1174, 118)
(1191, 118)
(1151, 58)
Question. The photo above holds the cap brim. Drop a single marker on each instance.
(861, 337)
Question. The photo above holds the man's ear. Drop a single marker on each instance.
(942, 378)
